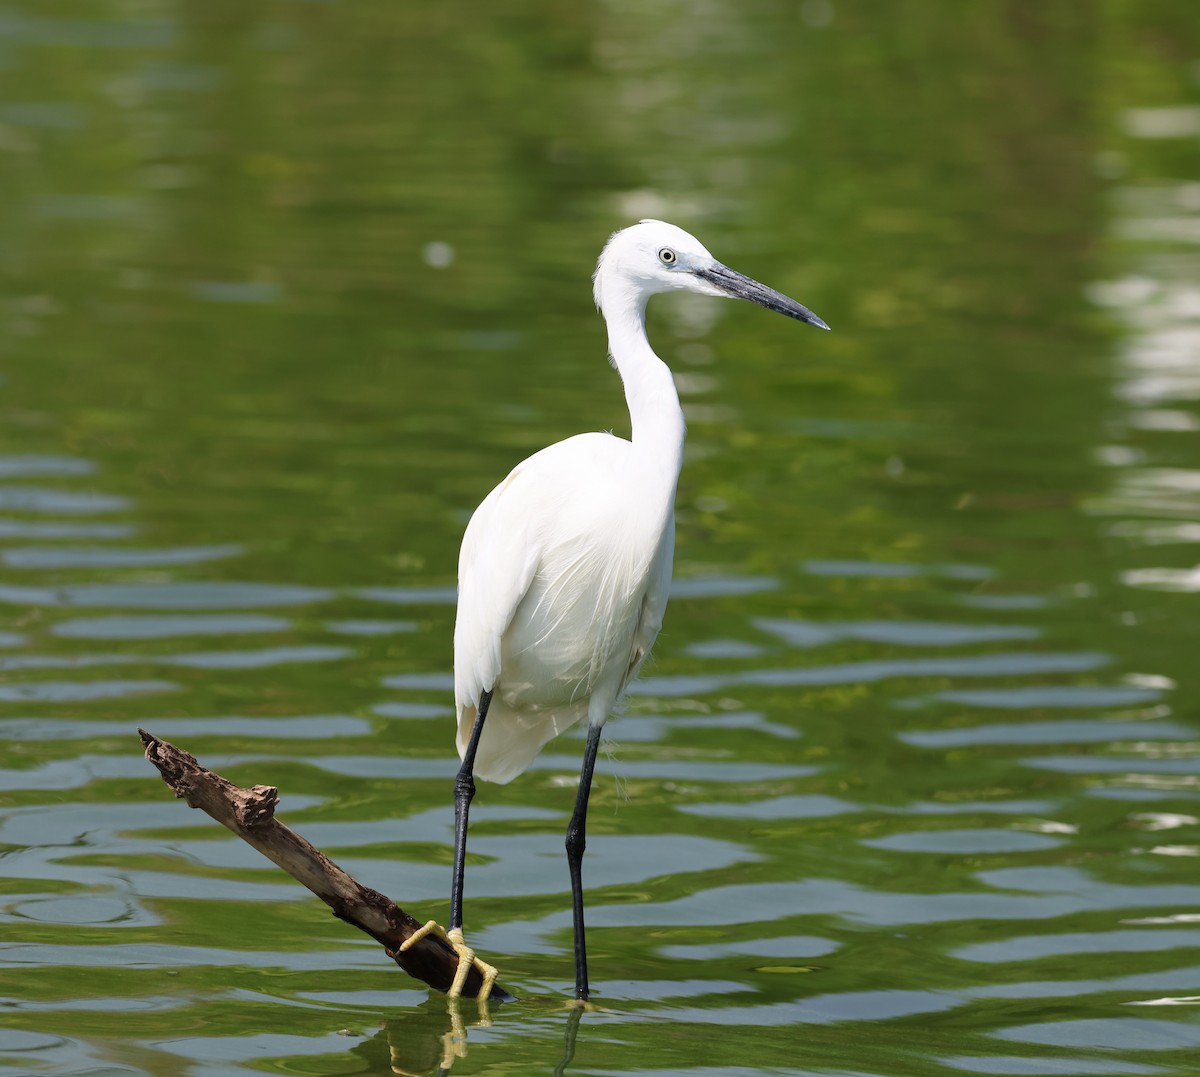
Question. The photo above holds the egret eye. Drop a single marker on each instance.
(667, 256)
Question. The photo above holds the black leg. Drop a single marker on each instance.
(576, 843)
(464, 791)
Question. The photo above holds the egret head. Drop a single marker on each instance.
(654, 256)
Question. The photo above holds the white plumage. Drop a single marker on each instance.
(565, 566)
(563, 581)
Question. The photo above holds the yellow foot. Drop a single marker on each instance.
(466, 958)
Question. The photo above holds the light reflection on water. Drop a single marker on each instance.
(515, 865)
(909, 786)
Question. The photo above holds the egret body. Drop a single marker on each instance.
(565, 566)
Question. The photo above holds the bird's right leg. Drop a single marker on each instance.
(464, 792)
(576, 844)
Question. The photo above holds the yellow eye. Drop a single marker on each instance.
(667, 256)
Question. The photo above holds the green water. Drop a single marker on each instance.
(910, 785)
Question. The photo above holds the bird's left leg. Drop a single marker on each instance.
(576, 843)
(466, 958)
(464, 792)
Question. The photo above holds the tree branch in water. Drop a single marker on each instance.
(250, 814)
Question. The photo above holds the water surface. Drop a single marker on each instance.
(910, 786)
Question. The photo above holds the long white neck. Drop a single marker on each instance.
(654, 411)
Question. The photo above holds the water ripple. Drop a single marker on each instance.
(1051, 695)
(72, 774)
(305, 727)
(261, 659)
(895, 570)
(258, 659)
(1068, 731)
(166, 596)
(113, 557)
(984, 665)
(371, 628)
(721, 586)
(1091, 764)
(30, 464)
(1109, 1033)
(722, 905)
(79, 691)
(813, 806)
(1005, 602)
(1033, 947)
(1028, 1066)
(901, 633)
(154, 627)
(410, 596)
(781, 946)
(38, 499)
(961, 842)
(26, 529)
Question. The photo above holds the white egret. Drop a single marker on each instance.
(565, 566)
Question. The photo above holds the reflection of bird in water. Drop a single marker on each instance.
(423, 1041)
(565, 567)
(429, 1039)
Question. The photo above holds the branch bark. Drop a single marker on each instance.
(250, 814)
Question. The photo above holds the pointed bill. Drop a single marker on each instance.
(739, 286)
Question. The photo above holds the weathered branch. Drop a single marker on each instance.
(250, 814)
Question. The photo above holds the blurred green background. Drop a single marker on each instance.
(910, 786)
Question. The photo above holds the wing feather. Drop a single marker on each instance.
(496, 565)
(563, 578)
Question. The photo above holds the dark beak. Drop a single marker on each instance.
(736, 284)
